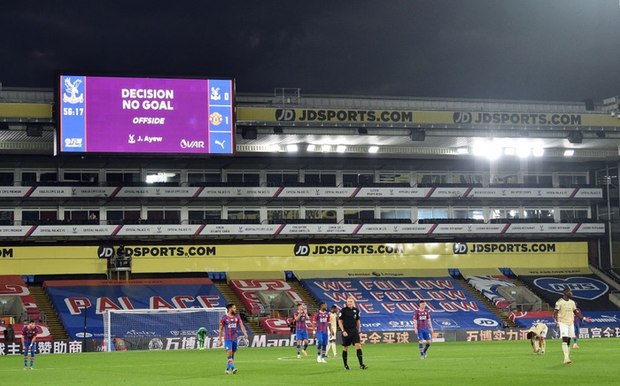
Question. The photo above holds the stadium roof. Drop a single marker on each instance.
(317, 125)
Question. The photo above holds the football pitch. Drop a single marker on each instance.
(455, 363)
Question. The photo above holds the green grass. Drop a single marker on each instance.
(461, 363)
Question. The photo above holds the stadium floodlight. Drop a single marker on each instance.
(523, 152)
(341, 148)
(569, 152)
(462, 150)
(479, 150)
(494, 152)
(275, 147)
(538, 152)
(148, 329)
(373, 149)
(510, 151)
(311, 147)
(292, 148)
(487, 149)
(326, 148)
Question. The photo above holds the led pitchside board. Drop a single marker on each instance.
(102, 114)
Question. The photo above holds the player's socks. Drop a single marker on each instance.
(426, 348)
(360, 357)
(421, 346)
(566, 350)
(25, 362)
(345, 354)
(231, 363)
(298, 350)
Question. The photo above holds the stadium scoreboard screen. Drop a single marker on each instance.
(102, 114)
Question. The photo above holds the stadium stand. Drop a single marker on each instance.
(387, 228)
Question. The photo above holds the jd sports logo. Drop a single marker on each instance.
(285, 115)
(302, 250)
(458, 117)
(485, 322)
(459, 248)
(105, 252)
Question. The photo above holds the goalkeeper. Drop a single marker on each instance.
(201, 335)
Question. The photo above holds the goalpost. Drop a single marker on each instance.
(148, 329)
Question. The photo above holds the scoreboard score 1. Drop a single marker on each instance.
(100, 114)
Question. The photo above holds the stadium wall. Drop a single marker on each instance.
(369, 338)
(303, 257)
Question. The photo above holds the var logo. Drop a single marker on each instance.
(302, 250)
(459, 248)
(285, 115)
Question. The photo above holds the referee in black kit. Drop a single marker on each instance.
(349, 322)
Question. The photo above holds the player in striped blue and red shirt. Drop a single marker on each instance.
(423, 327)
(322, 330)
(228, 330)
(301, 331)
(29, 338)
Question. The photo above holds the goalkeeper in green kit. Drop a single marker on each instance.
(201, 335)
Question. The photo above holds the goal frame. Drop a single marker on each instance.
(107, 317)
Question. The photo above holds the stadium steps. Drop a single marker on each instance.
(545, 306)
(312, 304)
(231, 297)
(487, 303)
(45, 306)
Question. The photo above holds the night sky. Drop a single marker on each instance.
(550, 50)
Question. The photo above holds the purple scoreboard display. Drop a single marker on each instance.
(145, 115)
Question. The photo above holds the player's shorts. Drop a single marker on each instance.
(230, 345)
(353, 337)
(322, 338)
(424, 335)
(301, 334)
(543, 334)
(566, 330)
(29, 349)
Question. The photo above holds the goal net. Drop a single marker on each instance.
(161, 329)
